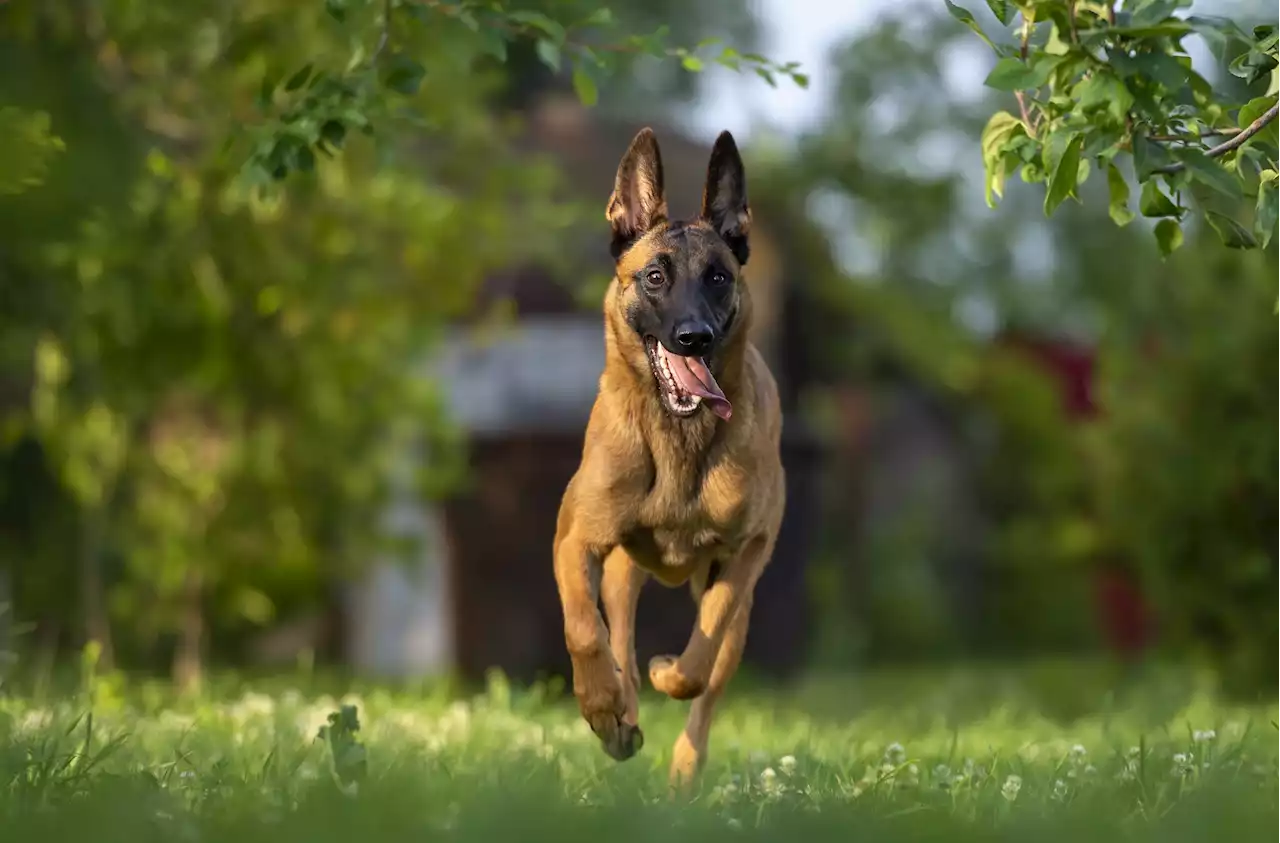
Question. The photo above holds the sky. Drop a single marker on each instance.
(805, 31)
(794, 30)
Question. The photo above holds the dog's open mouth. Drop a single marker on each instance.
(685, 382)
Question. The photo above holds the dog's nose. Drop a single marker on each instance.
(694, 337)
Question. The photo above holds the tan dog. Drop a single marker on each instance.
(681, 477)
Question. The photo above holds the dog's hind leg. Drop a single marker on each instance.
(690, 751)
(620, 592)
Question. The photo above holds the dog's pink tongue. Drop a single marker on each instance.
(696, 379)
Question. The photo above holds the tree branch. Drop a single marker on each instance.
(1228, 132)
(1018, 95)
(1235, 142)
(385, 36)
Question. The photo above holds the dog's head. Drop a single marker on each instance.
(680, 281)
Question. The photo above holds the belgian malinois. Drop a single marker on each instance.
(681, 477)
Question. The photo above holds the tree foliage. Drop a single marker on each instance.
(1108, 87)
(209, 391)
(312, 108)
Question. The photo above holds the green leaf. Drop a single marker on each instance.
(337, 9)
(1153, 202)
(1168, 236)
(1217, 32)
(1119, 191)
(1160, 68)
(966, 17)
(801, 79)
(1065, 177)
(333, 132)
(537, 20)
(1106, 90)
(1252, 66)
(1210, 173)
(1266, 211)
(1148, 156)
(1154, 12)
(267, 90)
(549, 54)
(1002, 9)
(766, 76)
(1251, 111)
(691, 63)
(585, 87)
(494, 43)
(1171, 28)
(1000, 129)
(1233, 234)
(27, 146)
(298, 79)
(1011, 74)
(403, 75)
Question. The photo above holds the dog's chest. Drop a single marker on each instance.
(688, 520)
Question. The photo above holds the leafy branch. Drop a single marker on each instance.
(320, 109)
(1238, 138)
(1101, 82)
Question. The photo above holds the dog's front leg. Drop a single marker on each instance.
(619, 593)
(596, 682)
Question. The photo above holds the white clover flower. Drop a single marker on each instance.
(1204, 736)
(895, 753)
(1059, 790)
(943, 777)
(1012, 785)
(1078, 752)
(734, 823)
(788, 764)
(1184, 763)
(768, 776)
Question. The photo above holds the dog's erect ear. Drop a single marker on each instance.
(638, 202)
(724, 199)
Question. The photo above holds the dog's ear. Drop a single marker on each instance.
(724, 199)
(638, 202)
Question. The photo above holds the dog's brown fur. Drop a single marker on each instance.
(694, 499)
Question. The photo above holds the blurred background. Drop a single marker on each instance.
(331, 429)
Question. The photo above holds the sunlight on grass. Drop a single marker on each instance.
(511, 764)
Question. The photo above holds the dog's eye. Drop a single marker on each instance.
(653, 278)
(719, 279)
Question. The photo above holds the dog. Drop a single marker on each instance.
(681, 475)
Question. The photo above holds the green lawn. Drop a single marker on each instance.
(952, 755)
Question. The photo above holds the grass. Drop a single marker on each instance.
(957, 755)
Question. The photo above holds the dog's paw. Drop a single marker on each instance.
(620, 739)
(604, 708)
(666, 676)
